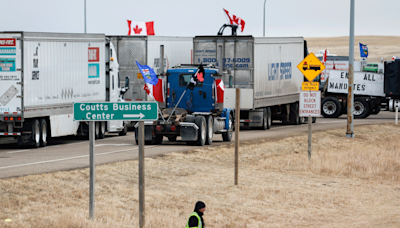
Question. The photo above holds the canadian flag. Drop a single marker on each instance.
(155, 91)
(219, 90)
(233, 19)
(140, 28)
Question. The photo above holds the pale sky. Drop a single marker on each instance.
(307, 18)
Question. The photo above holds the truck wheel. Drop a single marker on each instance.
(376, 110)
(125, 130)
(269, 118)
(227, 136)
(361, 108)
(102, 133)
(200, 121)
(43, 128)
(36, 134)
(172, 138)
(96, 130)
(331, 107)
(294, 114)
(210, 130)
(314, 119)
(158, 139)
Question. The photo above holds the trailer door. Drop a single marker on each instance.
(10, 74)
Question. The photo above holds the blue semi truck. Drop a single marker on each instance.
(194, 113)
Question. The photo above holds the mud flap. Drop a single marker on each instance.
(188, 133)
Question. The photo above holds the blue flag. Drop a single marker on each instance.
(148, 74)
(363, 50)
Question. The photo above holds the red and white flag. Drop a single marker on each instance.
(219, 90)
(140, 28)
(233, 19)
(155, 91)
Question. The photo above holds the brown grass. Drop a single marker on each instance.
(378, 46)
(348, 183)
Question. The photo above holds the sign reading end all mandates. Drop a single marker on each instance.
(115, 111)
(310, 103)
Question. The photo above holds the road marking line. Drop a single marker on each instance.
(120, 144)
(18, 151)
(338, 121)
(64, 159)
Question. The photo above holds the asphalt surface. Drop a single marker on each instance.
(67, 153)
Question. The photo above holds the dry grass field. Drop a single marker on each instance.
(378, 46)
(348, 183)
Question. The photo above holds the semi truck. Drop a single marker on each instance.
(260, 67)
(43, 74)
(369, 94)
(146, 50)
(264, 68)
(194, 114)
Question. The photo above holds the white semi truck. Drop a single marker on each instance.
(43, 74)
(146, 50)
(264, 68)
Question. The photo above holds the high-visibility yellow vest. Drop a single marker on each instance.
(198, 217)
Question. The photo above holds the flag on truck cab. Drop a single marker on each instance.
(363, 50)
(233, 19)
(148, 74)
(155, 91)
(197, 77)
(140, 28)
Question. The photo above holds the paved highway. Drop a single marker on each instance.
(68, 153)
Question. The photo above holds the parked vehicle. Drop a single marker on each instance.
(369, 94)
(264, 68)
(392, 85)
(146, 50)
(371, 67)
(43, 74)
(193, 114)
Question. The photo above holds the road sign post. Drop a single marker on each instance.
(108, 111)
(310, 101)
(310, 106)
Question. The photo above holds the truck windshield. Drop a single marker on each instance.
(184, 80)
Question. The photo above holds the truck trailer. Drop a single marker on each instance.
(369, 94)
(146, 50)
(264, 68)
(43, 74)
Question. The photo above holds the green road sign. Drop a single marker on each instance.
(116, 111)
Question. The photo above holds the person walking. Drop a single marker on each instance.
(196, 218)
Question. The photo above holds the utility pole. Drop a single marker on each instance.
(350, 94)
(85, 16)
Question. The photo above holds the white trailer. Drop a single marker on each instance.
(265, 70)
(146, 50)
(43, 74)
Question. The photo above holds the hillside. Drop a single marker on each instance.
(378, 46)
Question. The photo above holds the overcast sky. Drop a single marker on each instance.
(307, 18)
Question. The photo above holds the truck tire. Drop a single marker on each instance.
(264, 120)
(361, 108)
(210, 129)
(227, 136)
(294, 117)
(200, 121)
(43, 132)
(314, 119)
(96, 130)
(157, 140)
(331, 107)
(269, 118)
(102, 132)
(125, 130)
(376, 109)
(172, 138)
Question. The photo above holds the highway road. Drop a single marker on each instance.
(67, 153)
